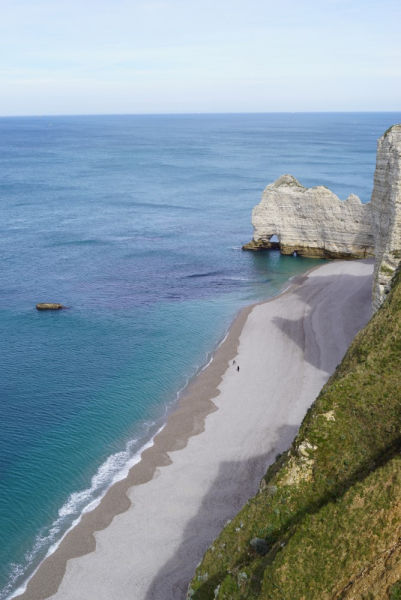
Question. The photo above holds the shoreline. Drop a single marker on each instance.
(141, 478)
(157, 427)
(185, 421)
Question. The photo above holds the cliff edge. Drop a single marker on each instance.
(386, 212)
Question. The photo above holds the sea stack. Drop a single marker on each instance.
(386, 212)
(49, 306)
(312, 222)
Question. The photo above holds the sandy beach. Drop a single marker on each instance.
(146, 537)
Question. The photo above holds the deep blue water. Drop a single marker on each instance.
(135, 223)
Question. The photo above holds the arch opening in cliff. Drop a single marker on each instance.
(274, 242)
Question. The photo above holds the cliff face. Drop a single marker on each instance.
(326, 523)
(312, 222)
(386, 212)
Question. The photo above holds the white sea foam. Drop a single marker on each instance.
(212, 356)
(238, 278)
(114, 469)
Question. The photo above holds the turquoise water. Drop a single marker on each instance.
(136, 224)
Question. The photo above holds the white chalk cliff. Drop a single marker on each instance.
(311, 222)
(314, 222)
(386, 212)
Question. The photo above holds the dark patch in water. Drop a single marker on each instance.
(88, 242)
(208, 274)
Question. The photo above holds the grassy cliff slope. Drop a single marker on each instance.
(327, 520)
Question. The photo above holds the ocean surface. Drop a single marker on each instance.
(135, 223)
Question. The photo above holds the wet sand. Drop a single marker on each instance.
(146, 537)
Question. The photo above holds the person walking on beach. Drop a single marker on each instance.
(233, 362)
(238, 368)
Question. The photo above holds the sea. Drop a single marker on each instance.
(135, 223)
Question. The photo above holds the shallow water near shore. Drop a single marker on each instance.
(136, 224)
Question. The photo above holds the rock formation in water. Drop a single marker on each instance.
(49, 306)
(386, 212)
(311, 222)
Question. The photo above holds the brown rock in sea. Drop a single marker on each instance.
(49, 306)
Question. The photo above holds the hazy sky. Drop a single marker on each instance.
(146, 56)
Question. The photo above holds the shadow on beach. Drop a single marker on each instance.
(345, 300)
(236, 483)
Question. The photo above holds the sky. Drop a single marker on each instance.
(191, 56)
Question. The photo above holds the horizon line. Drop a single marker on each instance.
(172, 114)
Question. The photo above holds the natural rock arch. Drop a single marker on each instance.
(312, 222)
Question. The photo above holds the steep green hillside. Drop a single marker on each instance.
(327, 520)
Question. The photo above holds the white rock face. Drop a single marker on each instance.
(312, 222)
(386, 212)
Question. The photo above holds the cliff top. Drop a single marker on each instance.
(288, 183)
(395, 129)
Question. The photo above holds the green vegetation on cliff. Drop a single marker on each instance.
(327, 520)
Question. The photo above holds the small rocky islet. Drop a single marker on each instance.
(49, 306)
